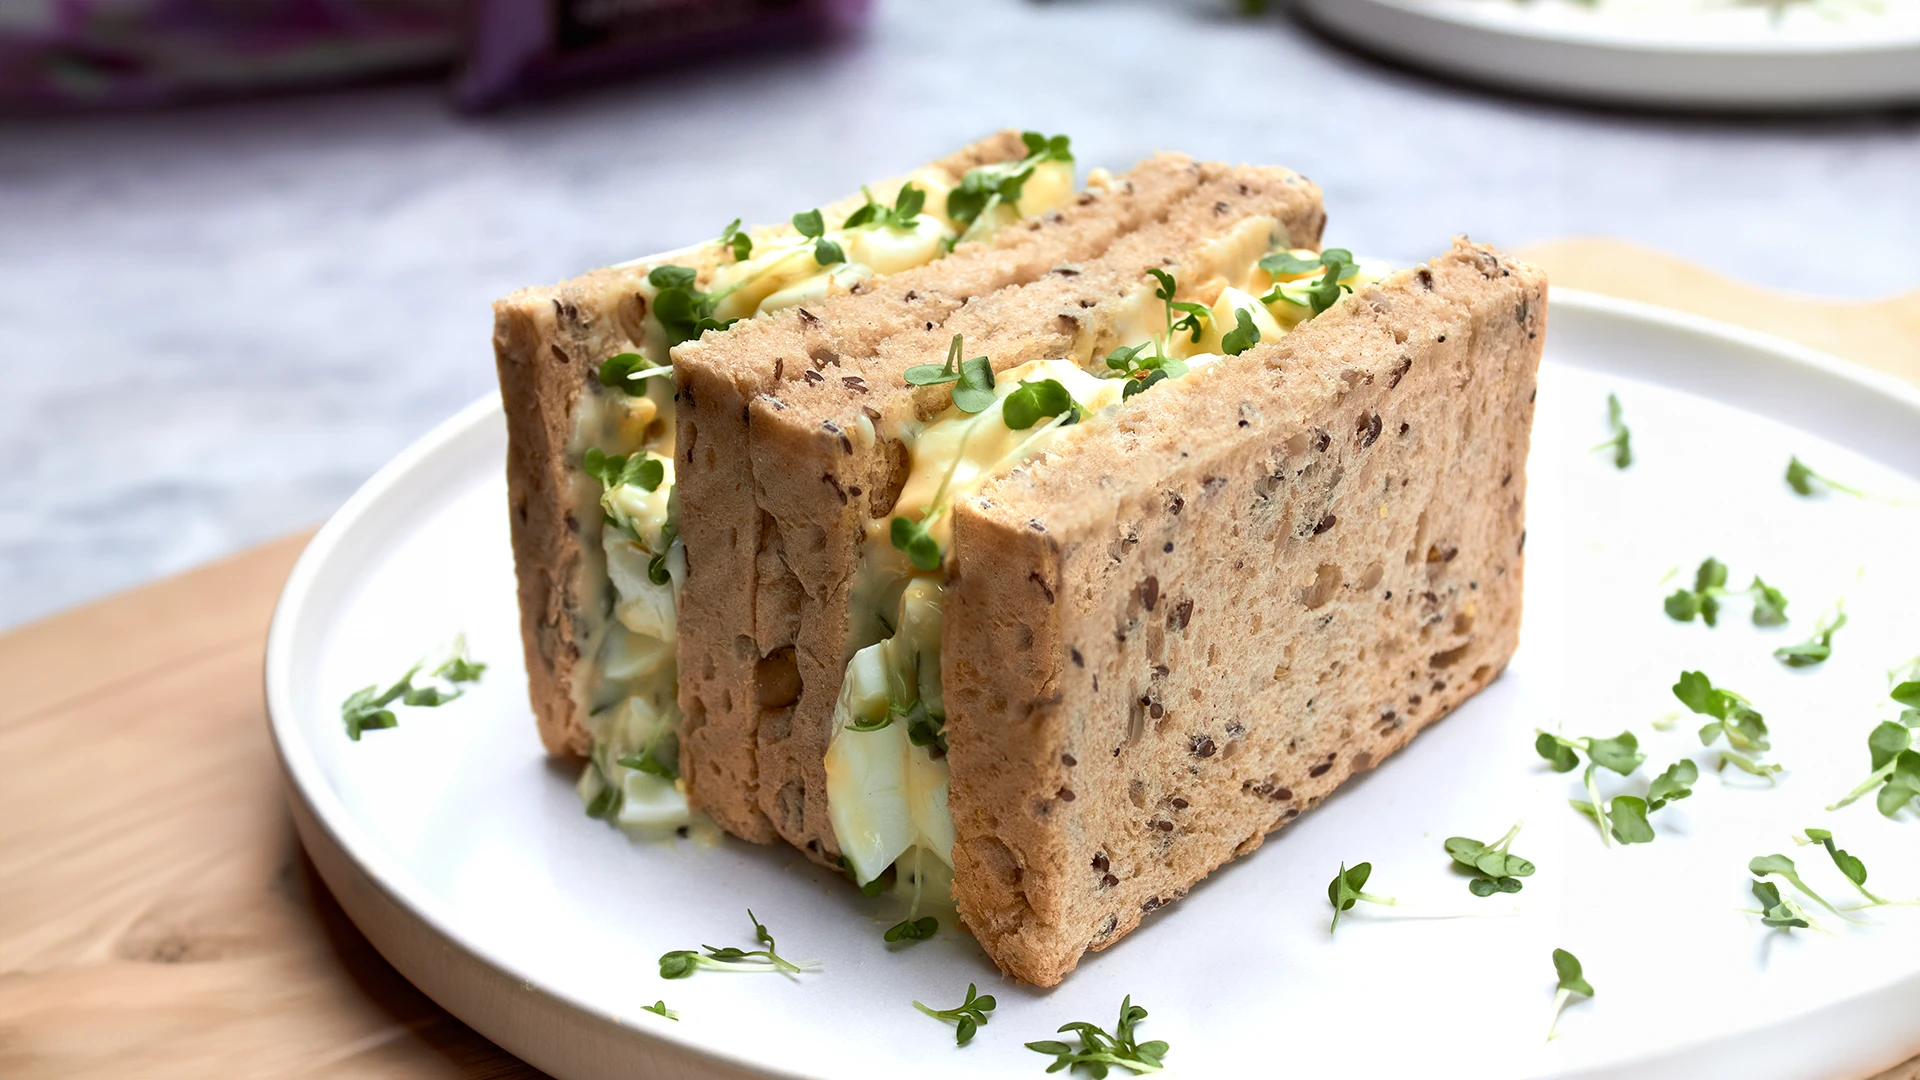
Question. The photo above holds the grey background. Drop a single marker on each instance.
(216, 322)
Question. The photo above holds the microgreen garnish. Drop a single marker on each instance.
(810, 224)
(925, 728)
(740, 242)
(615, 471)
(1287, 264)
(1762, 865)
(1141, 372)
(872, 888)
(1710, 585)
(967, 1017)
(684, 312)
(659, 1008)
(1571, 981)
(1776, 912)
(1033, 400)
(984, 188)
(684, 962)
(1100, 1051)
(1732, 715)
(1243, 336)
(972, 378)
(458, 667)
(1193, 317)
(1622, 441)
(1338, 265)
(1896, 764)
(620, 470)
(1624, 818)
(1817, 648)
(606, 802)
(1852, 868)
(1769, 605)
(1626, 815)
(367, 709)
(1344, 891)
(629, 371)
(1621, 754)
(911, 537)
(912, 929)
(1494, 871)
(901, 215)
(1804, 481)
(660, 757)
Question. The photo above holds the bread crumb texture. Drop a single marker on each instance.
(548, 344)
(1145, 679)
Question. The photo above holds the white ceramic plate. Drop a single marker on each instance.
(1664, 54)
(463, 853)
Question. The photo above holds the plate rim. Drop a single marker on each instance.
(383, 901)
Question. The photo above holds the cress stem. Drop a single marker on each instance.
(1599, 807)
(1875, 779)
(1559, 1003)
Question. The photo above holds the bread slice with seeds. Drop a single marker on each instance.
(821, 473)
(741, 674)
(1174, 631)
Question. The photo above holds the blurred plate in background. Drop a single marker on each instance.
(1797, 54)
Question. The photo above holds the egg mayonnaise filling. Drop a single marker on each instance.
(887, 774)
(625, 423)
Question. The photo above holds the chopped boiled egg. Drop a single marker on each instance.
(884, 794)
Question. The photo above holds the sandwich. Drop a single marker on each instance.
(1058, 569)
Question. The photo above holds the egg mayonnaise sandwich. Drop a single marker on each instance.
(1068, 562)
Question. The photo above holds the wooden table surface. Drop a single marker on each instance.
(157, 916)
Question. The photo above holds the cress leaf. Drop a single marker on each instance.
(1559, 755)
(1627, 817)
(1243, 336)
(1566, 967)
(974, 391)
(1621, 753)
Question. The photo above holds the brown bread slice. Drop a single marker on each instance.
(1178, 629)
(819, 475)
(548, 343)
(740, 673)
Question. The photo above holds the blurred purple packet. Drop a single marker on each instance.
(93, 53)
(517, 48)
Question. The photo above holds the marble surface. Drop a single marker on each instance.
(216, 322)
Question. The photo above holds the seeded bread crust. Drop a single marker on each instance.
(740, 670)
(1175, 631)
(548, 343)
(820, 474)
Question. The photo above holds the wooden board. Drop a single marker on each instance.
(157, 917)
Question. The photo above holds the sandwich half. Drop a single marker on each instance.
(787, 578)
(1234, 519)
(1179, 628)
